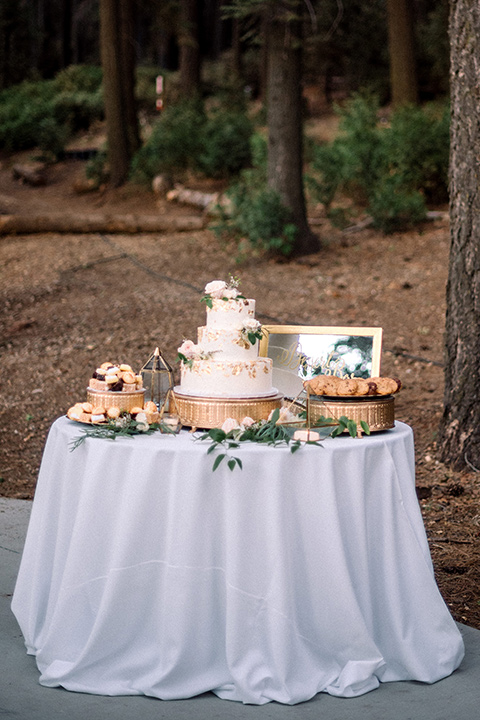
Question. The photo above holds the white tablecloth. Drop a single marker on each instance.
(144, 572)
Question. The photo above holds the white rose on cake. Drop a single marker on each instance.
(251, 325)
(230, 293)
(216, 288)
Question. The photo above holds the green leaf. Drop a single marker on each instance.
(212, 448)
(365, 427)
(217, 435)
(218, 460)
(352, 428)
(231, 463)
(239, 463)
(275, 416)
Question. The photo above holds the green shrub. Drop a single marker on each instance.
(45, 113)
(417, 147)
(255, 215)
(174, 144)
(391, 170)
(395, 208)
(79, 78)
(186, 138)
(22, 108)
(225, 144)
(96, 168)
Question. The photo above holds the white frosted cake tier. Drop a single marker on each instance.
(226, 344)
(229, 313)
(227, 378)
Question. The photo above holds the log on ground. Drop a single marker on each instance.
(69, 223)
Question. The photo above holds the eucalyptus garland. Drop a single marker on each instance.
(124, 426)
(266, 432)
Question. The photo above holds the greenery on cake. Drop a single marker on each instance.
(250, 332)
(188, 352)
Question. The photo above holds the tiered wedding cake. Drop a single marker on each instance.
(225, 363)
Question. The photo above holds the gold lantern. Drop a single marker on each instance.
(157, 377)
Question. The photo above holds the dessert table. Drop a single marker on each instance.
(144, 572)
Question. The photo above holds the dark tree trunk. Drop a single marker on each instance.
(285, 165)
(237, 49)
(460, 427)
(190, 63)
(403, 76)
(66, 33)
(118, 63)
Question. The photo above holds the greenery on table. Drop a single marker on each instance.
(124, 426)
(266, 432)
(341, 425)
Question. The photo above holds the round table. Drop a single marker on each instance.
(145, 572)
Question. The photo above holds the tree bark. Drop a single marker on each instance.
(403, 76)
(284, 114)
(118, 64)
(190, 65)
(459, 438)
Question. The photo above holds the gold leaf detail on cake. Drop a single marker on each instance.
(236, 370)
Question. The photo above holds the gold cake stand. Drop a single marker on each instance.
(378, 411)
(209, 412)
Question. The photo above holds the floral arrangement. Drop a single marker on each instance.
(249, 332)
(188, 352)
(220, 290)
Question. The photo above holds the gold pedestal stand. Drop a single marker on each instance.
(125, 401)
(378, 412)
(208, 412)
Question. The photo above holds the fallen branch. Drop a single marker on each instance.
(33, 174)
(210, 203)
(65, 223)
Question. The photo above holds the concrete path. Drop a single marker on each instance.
(22, 698)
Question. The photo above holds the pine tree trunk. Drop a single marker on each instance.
(285, 151)
(190, 65)
(460, 427)
(403, 76)
(118, 64)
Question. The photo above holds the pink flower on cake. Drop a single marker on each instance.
(188, 349)
(229, 425)
(216, 288)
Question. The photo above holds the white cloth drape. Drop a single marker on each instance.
(144, 572)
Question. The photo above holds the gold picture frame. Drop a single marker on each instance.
(302, 351)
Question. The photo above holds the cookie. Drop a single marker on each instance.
(347, 387)
(385, 385)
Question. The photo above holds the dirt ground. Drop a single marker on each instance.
(70, 302)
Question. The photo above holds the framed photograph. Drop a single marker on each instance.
(300, 352)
